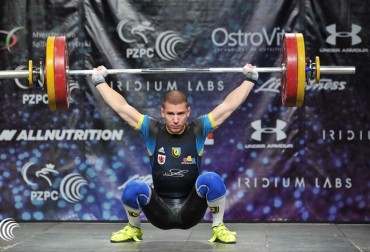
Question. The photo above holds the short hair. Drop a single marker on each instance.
(175, 97)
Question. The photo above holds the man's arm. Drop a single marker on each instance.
(234, 99)
(115, 100)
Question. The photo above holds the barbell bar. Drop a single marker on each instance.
(12, 74)
(324, 70)
(331, 70)
(294, 70)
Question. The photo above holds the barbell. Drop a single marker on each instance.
(295, 71)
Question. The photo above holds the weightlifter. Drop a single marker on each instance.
(181, 192)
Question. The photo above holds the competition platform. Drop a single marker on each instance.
(261, 237)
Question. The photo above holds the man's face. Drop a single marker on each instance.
(175, 116)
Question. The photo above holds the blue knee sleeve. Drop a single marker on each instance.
(136, 194)
(210, 185)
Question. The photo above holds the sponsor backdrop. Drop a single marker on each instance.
(279, 164)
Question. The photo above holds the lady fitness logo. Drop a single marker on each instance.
(6, 229)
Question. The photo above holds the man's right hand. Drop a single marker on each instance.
(98, 75)
(250, 73)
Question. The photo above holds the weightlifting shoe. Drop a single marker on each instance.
(221, 234)
(127, 234)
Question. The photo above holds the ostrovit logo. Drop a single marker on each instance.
(222, 37)
(142, 34)
(69, 187)
(6, 229)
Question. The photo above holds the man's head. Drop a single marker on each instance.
(175, 111)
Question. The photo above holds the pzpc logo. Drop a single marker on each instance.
(141, 34)
(69, 187)
(39, 98)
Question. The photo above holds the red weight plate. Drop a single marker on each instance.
(289, 80)
(62, 93)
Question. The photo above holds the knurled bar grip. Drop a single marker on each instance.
(175, 70)
(323, 69)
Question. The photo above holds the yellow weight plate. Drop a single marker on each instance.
(49, 65)
(301, 58)
(317, 71)
(30, 74)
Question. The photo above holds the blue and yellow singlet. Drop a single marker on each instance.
(175, 158)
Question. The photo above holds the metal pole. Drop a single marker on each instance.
(12, 74)
(176, 70)
(337, 69)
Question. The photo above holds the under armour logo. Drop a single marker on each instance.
(332, 39)
(280, 134)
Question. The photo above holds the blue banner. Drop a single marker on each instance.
(278, 163)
